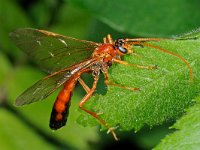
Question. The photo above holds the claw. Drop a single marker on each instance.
(111, 130)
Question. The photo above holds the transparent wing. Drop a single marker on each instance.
(44, 87)
(52, 51)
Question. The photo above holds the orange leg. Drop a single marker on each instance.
(110, 40)
(85, 87)
(125, 63)
(134, 65)
(114, 84)
(84, 100)
(105, 40)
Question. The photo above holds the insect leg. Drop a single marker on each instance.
(85, 87)
(110, 40)
(105, 40)
(134, 65)
(85, 98)
(114, 84)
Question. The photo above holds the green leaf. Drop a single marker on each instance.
(13, 19)
(5, 68)
(186, 137)
(165, 92)
(72, 23)
(146, 18)
(16, 135)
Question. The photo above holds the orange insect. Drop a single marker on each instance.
(66, 59)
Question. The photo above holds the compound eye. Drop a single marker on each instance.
(119, 45)
(123, 50)
(119, 42)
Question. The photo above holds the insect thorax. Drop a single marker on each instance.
(99, 67)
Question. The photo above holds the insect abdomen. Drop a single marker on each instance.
(61, 106)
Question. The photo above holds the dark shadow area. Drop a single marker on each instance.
(146, 139)
(48, 138)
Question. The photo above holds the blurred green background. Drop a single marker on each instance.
(27, 127)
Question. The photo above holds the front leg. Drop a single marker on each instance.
(134, 65)
(114, 84)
